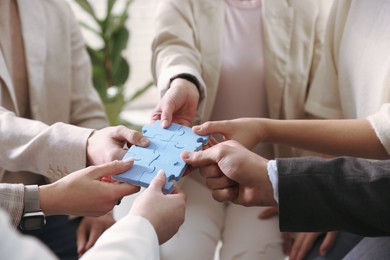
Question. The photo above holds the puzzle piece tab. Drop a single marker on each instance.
(162, 153)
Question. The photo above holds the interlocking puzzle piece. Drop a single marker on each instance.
(162, 153)
(142, 161)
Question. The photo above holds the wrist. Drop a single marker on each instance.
(47, 199)
(87, 157)
(189, 78)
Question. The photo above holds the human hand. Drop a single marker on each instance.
(82, 193)
(247, 131)
(269, 213)
(90, 229)
(234, 174)
(107, 144)
(178, 105)
(305, 240)
(164, 211)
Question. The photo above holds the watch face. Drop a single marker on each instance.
(32, 220)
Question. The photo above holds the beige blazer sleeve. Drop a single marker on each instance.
(64, 104)
(12, 200)
(183, 44)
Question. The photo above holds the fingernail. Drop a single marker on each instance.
(186, 155)
(144, 141)
(196, 128)
(164, 123)
(129, 159)
(161, 173)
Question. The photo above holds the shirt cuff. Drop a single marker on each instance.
(272, 169)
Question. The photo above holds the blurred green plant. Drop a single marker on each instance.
(110, 69)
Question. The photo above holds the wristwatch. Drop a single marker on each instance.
(33, 217)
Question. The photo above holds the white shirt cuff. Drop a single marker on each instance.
(272, 169)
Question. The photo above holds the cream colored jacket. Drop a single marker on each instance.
(132, 237)
(189, 36)
(61, 94)
(353, 78)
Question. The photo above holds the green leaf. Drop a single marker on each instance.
(88, 8)
(118, 44)
(89, 28)
(110, 5)
(121, 74)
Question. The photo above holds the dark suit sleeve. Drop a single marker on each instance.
(343, 193)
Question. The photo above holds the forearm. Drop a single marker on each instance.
(336, 137)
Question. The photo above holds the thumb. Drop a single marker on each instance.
(111, 168)
(166, 116)
(158, 181)
(200, 158)
(209, 128)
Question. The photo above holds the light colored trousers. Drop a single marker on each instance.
(207, 221)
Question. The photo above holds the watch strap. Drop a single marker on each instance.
(31, 198)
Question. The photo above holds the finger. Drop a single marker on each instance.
(306, 245)
(156, 115)
(220, 183)
(93, 237)
(211, 171)
(131, 136)
(224, 195)
(178, 192)
(213, 141)
(200, 158)
(111, 168)
(158, 181)
(81, 239)
(327, 243)
(296, 246)
(288, 239)
(215, 127)
(166, 113)
(269, 213)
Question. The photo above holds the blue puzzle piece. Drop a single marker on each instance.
(189, 141)
(165, 134)
(143, 157)
(163, 153)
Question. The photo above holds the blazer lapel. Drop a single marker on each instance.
(6, 78)
(33, 22)
(277, 30)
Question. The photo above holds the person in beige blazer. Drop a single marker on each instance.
(49, 108)
(205, 49)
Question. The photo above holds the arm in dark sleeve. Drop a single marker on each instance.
(343, 193)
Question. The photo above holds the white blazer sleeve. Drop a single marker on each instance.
(381, 124)
(17, 246)
(132, 237)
